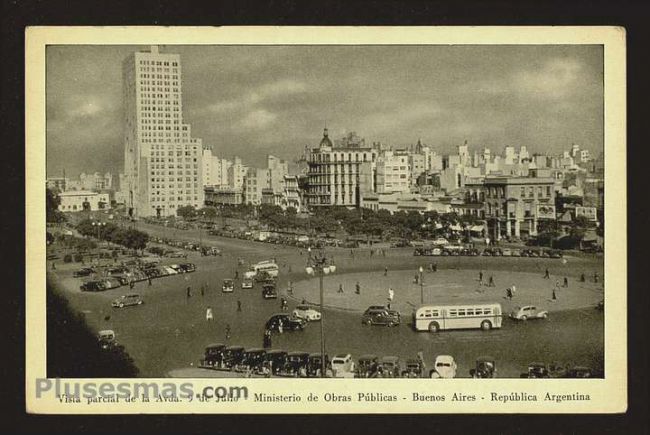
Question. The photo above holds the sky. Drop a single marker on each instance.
(257, 100)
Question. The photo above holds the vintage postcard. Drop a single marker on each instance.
(326, 220)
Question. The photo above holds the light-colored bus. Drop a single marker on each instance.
(434, 318)
(267, 266)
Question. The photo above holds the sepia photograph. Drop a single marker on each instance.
(320, 210)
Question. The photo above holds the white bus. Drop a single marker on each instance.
(267, 266)
(434, 318)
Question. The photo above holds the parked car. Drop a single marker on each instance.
(127, 300)
(528, 312)
(276, 359)
(232, 356)
(106, 339)
(536, 370)
(247, 283)
(414, 368)
(343, 366)
(269, 291)
(93, 286)
(306, 312)
(390, 367)
(380, 317)
(315, 363)
(213, 356)
(252, 359)
(485, 368)
(288, 322)
(297, 364)
(86, 271)
(507, 252)
(367, 366)
(579, 372)
(187, 267)
(444, 367)
(176, 254)
(228, 286)
(516, 253)
(440, 241)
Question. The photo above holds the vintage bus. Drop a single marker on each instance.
(434, 318)
(268, 266)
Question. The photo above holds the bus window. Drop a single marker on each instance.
(435, 313)
(452, 313)
(478, 311)
(470, 312)
(487, 311)
(461, 312)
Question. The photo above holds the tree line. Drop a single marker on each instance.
(128, 237)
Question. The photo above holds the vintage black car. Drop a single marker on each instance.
(314, 366)
(187, 267)
(252, 359)
(414, 368)
(367, 366)
(232, 356)
(213, 356)
(485, 368)
(297, 364)
(93, 286)
(269, 291)
(579, 372)
(536, 370)
(288, 322)
(86, 271)
(380, 317)
(390, 367)
(276, 359)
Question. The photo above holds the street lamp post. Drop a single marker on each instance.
(98, 225)
(421, 285)
(319, 264)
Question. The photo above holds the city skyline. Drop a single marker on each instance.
(253, 101)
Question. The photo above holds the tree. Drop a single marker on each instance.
(208, 212)
(186, 212)
(52, 202)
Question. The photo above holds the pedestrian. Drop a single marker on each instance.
(340, 288)
(280, 327)
(547, 275)
(202, 290)
(557, 284)
(416, 278)
(149, 280)
(358, 288)
(391, 295)
(304, 301)
(554, 297)
(236, 274)
(513, 290)
(283, 304)
(131, 284)
(582, 277)
(53, 266)
(491, 282)
(509, 293)
(435, 267)
(208, 314)
(566, 282)
(189, 292)
(596, 277)
(290, 288)
(480, 277)
(386, 271)
(238, 306)
(227, 331)
(267, 339)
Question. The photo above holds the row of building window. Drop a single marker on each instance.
(157, 63)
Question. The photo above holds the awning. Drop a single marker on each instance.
(477, 228)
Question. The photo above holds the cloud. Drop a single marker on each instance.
(556, 79)
(259, 118)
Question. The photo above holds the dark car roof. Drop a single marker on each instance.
(234, 348)
(255, 349)
(368, 356)
(298, 353)
(213, 345)
(275, 351)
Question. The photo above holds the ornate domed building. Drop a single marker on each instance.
(325, 142)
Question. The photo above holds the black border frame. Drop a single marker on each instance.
(17, 15)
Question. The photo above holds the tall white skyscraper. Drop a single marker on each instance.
(162, 162)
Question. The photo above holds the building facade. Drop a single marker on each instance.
(80, 200)
(215, 196)
(512, 206)
(339, 176)
(162, 162)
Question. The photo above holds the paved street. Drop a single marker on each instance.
(169, 331)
